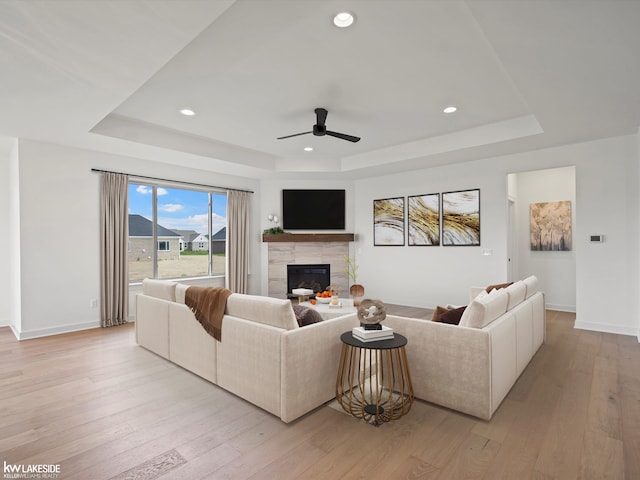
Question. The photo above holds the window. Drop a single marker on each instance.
(181, 223)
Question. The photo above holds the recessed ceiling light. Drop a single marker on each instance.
(188, 112)
(343, 19)
(450, 109)
(308, 149)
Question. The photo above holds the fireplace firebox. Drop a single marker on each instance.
(316, 277)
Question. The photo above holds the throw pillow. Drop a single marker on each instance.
(484, 309)
(516, 293)
(452, 316)
(497, 286)
(437, 312)
(305, 315)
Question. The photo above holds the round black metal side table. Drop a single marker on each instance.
(373, 381)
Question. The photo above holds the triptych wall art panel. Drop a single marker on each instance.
(424, 219)
(388, 221)
(450, 219)
(550, 226)
(461, 218)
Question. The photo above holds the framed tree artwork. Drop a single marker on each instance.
(423, 220)
(461, 218)
(388, 221)
(550, 226)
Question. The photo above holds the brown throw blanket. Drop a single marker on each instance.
(208, 305)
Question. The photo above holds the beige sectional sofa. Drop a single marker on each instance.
(471, 367)
(265, 358)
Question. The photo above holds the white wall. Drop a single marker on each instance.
(636, 294)
(556, 270)
(427, 276)
(59, 231)
(606, 202)
(5, 259)
(8, 150)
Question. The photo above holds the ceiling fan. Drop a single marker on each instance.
(320, 130)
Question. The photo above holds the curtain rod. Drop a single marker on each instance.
(171, 181)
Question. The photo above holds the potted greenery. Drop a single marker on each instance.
(274, 231)
(356, 290)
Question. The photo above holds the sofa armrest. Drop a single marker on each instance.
(474, 292)
(449, 365)
(152, 324)
(310, 359)
(248, 362)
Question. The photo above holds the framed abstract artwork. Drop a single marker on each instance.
(388, 221)
(461, 218)
(550, 226)
(423, 226)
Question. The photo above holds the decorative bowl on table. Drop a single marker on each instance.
(324, 297)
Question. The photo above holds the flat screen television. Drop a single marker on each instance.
(313, 209)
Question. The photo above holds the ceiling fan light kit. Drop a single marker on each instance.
(320, 129)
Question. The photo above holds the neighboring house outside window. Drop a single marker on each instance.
(180, 250)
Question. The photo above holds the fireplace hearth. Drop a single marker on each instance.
(317, 277)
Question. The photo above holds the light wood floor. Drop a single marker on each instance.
(102, 407)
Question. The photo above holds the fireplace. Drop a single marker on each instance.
(316, 277)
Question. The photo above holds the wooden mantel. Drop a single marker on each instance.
(308, 237)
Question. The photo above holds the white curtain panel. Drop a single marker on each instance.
(237, 241)
(114, 237)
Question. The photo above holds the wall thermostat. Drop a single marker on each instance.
(597, 238)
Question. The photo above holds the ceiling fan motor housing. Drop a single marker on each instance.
(319, 130)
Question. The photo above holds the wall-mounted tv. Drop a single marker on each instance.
(313, 209)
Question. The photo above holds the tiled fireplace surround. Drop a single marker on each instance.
(282, 254)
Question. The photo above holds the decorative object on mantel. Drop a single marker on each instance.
(274, 231)
(356, 290)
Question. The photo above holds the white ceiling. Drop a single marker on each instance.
(112, 76)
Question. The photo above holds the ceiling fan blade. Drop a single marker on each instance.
(343, 136)
(294, 135)
(321, 116)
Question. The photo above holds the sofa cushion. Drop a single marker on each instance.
(306, 316)
(266, 310)
(451, 316)
(497, 286)
(484, 309)
(164, 289)
(532, 285)
(516, 294)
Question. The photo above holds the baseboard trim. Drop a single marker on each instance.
(46, 332)
(607, 328)
(561, 308)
